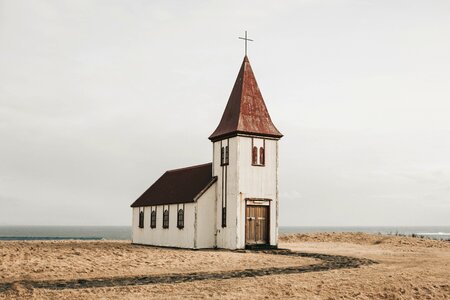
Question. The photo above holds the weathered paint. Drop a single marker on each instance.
(206, 219)
(168, 237)
(246, 181)
(198, 231)
(258, 182)
(226, 236)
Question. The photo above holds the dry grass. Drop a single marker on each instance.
(50, 260)
(408, 268)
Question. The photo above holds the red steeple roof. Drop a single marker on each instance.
(246, 111)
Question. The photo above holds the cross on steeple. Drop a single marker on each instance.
(245, 39)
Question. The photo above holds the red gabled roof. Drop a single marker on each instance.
(246, 111)
(178, 186)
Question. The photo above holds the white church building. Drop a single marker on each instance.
(230, 203)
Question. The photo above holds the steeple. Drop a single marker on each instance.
(246, 112)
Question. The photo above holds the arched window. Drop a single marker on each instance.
(262, 158)
(141, 219)
(153, 219)
(166, 219)
(255, 155)
(180, 218)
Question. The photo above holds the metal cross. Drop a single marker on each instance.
(245, 39)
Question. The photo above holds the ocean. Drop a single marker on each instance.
(124, 232)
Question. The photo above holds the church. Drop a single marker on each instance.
(230, 203)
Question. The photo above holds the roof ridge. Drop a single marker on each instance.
(244, 65)
(187, 168)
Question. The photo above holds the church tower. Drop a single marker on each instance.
(245, 162)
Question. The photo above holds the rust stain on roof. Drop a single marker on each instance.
(246, 111)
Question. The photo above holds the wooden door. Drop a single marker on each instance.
(257, 224)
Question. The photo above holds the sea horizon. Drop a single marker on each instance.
(117, 232)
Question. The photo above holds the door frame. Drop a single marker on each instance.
(258, 202)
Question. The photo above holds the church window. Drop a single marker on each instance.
(227, 155)
(224, 156)
(153, 219)
(255, 155)
(261, 156)
(166, 218)
(224, 217)
(141, 219)
(258, 155)
(180, 218)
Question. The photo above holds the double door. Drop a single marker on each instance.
(257, 224)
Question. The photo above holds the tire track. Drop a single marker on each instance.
(329, 262)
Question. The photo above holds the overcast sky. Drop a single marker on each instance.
(99, 98)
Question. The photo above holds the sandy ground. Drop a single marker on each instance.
(407, 268)
(37, 260)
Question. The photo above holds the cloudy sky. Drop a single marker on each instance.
(99, 98)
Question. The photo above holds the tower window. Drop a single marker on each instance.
(166, 218)
(255, 156)
(224, 156)
(141, 219)
(180, 218)
(227, 155)
(261, 156)
(153, 219)
(258, 156)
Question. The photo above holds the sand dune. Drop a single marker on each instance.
(407, 268)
